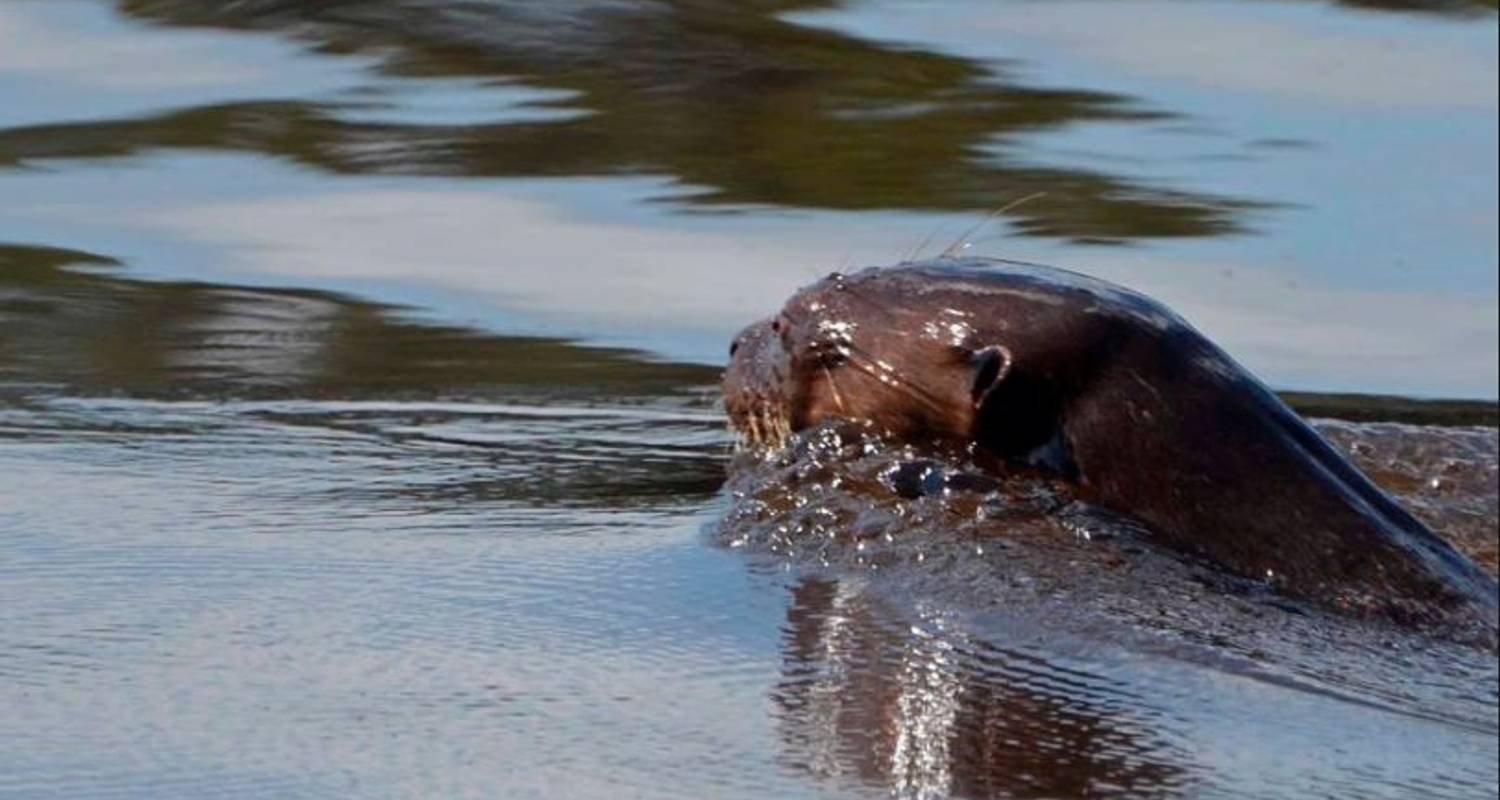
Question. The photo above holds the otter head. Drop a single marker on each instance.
(859, 347)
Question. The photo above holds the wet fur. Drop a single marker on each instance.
(1111, 391)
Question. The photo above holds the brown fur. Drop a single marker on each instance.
(1106, 388)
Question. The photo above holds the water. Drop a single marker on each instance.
(358, 431)
(1321, 220)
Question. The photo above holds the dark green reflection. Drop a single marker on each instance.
(1473, 8)
(721, 95)
(1385, 408)
(92, 331)
(67, 320)
(546, 423)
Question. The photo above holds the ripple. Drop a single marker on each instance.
(942, 644)
(307, 598)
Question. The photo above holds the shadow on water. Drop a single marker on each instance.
(731, 101)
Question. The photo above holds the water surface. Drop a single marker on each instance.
(358, 430)
(1323, 220)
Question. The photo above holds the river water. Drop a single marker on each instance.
(358, 431)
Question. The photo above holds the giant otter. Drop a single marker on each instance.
(1037, 368)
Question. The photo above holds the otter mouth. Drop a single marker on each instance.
(759, 416)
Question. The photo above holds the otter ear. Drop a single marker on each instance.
(991, 365)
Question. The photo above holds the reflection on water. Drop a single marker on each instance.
(1319, 219)
(92, 330)
(286, 543)
(303, 360)
(272, 541)
(725, 97)
(923, 704)
(1459, 7)
(1007, 643)
(964, 644)
(933, 713)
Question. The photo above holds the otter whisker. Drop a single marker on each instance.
(768, 421)
(916, 252)
(861, 360)
(962, 241)
(833, 386)
(761, 425)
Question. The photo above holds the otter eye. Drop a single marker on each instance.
(776, 326)
(734, 347)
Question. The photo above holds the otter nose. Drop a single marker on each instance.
(750, 335)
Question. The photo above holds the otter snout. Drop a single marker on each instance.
(754, 391)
